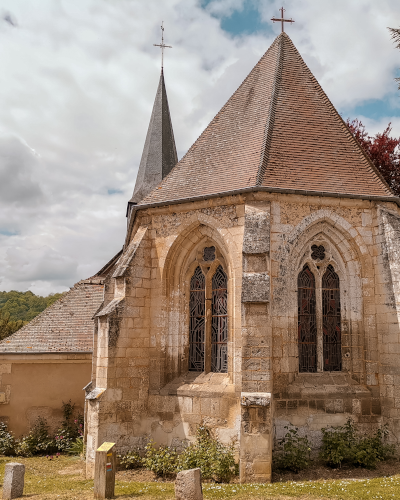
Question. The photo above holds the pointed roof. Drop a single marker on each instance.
(159, 152)
(279, 130)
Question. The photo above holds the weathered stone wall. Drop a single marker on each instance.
(352, 231)
(141, 386)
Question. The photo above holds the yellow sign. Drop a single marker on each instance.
(106, 447)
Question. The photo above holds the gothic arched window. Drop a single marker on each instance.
(208, 316)
(197, 320)
(319, 322)
(307, 321)
(331, 321)
(219, 323)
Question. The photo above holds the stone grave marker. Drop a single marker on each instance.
(104, 471)
(13, 484)
(188, 485)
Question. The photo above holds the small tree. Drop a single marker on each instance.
(383, 151)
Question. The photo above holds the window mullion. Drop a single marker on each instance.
(319, 318)
(208, 319)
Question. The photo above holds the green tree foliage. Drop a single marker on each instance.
(7, 325)
(25, 306)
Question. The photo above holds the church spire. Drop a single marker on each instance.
(159, 152)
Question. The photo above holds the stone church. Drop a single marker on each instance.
(259, 284)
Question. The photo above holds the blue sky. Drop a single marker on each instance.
(246, 19)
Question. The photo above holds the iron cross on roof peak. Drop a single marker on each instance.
(162, 45)
(282, 20)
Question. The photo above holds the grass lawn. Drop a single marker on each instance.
(63, 478)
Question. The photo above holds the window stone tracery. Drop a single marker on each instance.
(319, 312)
(208, 311)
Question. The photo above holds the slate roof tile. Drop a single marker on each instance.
(65, 326)
(278, 130)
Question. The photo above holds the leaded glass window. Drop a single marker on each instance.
(331, 321)
(219, 323)
(307, 321)
(197, 321)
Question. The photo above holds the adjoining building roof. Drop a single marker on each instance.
(278, 130)
(65, 326)
(159, 152)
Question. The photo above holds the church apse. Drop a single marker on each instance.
(259, 283)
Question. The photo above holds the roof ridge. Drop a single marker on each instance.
(337, 115)
(271, 116)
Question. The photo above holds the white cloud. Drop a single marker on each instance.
(78, 80)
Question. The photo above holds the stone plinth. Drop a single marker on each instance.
(104, 471)
(13, 485)
(188, 485)
(255, 438)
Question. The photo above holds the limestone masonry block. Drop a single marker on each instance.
(255, 287)
(188, 485)
(13, 485)
(255, 399)
(256, 237)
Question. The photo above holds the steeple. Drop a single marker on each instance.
(159, 152)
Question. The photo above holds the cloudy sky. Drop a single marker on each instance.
(77, 84)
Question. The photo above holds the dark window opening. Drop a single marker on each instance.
(331, 321)
(209, 254)
(219, 323)
(197, 321)
(318, 252)
(307, 321)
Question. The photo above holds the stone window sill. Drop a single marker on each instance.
(200, 384)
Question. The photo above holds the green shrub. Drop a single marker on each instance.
(7, 440)
(216, 460)
(78, 447)
(71, 429)
(131, 460)
(344, 444)
(162, 460)
(37, 442)
(293, 451)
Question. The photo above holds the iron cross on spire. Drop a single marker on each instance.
(162, 45)
(282, 20)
